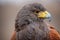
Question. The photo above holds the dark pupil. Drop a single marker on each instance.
(37, 11)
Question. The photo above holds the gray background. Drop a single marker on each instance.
(10, 8)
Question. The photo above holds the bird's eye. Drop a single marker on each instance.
(37, 11)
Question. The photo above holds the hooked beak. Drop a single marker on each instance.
(44, 15)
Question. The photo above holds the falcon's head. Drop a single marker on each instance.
(38, 10)
(30, 13)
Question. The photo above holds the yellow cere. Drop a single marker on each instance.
(46, 12)
(42, 14)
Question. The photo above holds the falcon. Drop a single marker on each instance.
(30, 23)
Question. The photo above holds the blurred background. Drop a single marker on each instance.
(10, 8)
